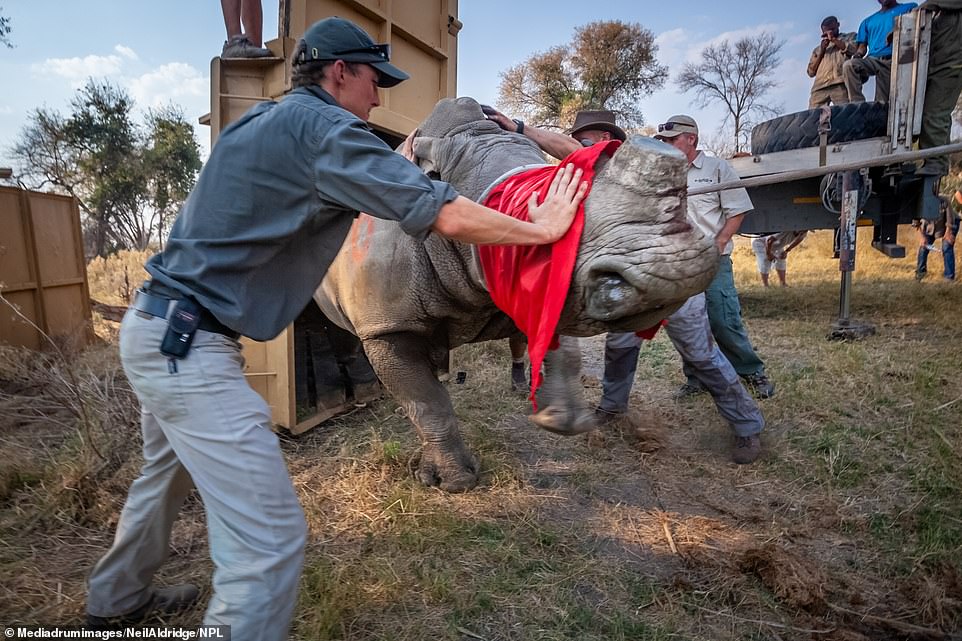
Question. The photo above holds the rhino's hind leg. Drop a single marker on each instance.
(561, 398)
(404, 364)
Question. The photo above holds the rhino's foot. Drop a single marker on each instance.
(566, 421)
(452, 472)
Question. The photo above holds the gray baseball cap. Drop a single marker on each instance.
(677, 125)
(340, 39)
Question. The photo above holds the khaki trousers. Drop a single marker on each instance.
(204, 426)
(857, 72)
(830, 95)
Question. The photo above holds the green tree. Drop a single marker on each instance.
(171, 161)
(607, 65)
(738, 76)
(5, 30)
(129, 179)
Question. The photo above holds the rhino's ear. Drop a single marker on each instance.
(425, 151)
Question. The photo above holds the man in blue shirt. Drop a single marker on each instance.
(873, 57)
(268, 214)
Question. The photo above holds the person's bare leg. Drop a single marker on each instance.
(232, 16)
(764, 278)
(253, 18)
(781, 277)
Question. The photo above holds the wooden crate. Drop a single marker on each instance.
(42, 270)
(423, 38)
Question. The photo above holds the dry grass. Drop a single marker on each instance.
(848, 528)
(113, 280)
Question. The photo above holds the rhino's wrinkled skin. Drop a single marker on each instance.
(410, 302)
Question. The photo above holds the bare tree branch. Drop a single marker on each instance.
(737, 76)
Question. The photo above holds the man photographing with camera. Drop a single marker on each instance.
(825, 65)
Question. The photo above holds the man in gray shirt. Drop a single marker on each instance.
(268, 214)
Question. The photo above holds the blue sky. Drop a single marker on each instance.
(161, 51)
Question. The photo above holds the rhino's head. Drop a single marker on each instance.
(457, 144)
(639, 258)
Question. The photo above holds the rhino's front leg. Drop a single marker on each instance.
(561, 397)
(404, 363)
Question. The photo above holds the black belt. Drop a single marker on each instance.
(157, 303)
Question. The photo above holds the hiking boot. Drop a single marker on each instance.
(241, 47)
(760, 385)
(690, 388)
(519, 380)
(162, 601)
(606, 416)
(746, 449)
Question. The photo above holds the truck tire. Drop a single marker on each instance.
(852, 121)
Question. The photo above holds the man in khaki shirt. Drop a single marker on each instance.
(825, 65)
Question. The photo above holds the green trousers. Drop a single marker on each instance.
(943, 86)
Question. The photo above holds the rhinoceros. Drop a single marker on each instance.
(411, 302)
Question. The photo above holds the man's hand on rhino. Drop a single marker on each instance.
(565, 194)
(499, 118)
(469, 222)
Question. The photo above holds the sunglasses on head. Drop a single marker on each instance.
(669, 126)
(382, 51)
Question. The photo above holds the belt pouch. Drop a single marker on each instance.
(182, 324)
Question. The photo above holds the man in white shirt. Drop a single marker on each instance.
(719, 215)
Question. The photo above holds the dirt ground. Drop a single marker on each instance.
(849, 528)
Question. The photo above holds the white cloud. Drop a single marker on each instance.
(679, 46)
(127, 52)
(175, 82)
(77, 70)
(179, 84)
(746, 32)
(673, 46)
(6, 110)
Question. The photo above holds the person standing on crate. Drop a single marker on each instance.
(873, 55)
(244, 21)
(269, 212)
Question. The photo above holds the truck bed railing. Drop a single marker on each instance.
(814, 172)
